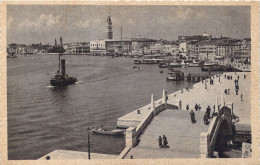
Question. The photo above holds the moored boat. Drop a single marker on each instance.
(11, 55)
(175, 75)
(102, 131)
(175, 64)
(162, 65)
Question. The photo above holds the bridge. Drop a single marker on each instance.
(186, 140)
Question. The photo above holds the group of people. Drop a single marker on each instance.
(163, 142)
(236, 85)
(227, 91)
(197, 107)
(228, 77)
(207, 114)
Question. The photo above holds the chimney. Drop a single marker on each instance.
(63, 67)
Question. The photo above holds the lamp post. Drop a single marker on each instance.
(88, 145)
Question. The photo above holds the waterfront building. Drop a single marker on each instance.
(98, 47)
(118, 47)
(30, 49)
(109, 31)
(156, 48)
(188, 48)
(207, 50)
(226, 49)
(139, 43)
(77, 48)
(246, 48)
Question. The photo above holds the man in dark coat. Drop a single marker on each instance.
(160, 142)
(206, 119)
(187, 107)
(165, 142)
(196, 107)
(208, 111)
(192, 116)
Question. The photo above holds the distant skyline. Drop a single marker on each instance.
(29, 24)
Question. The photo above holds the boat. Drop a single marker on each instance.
(175, 75)
(163, 65)
(103, 131)
(136, 67)
(11, 55)
(219, 57)
(175, 64)
(137, 61)
(62, 79)
(194, 63)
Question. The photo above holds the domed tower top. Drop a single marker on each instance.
(109, 31)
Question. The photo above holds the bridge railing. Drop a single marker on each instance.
(208, 139)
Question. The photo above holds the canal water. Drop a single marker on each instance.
(42, 118)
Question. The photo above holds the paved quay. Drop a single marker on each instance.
(182, 135)
(214, 93)
(67, 154)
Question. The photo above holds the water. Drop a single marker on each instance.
(42, 118)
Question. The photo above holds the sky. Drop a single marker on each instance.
(27, 24)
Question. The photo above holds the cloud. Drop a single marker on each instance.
(10, 21)
(183, 13)
(83, 24)
(44, 22)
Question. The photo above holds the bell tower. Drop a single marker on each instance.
(109, 31)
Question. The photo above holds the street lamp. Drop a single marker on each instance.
(88, 145)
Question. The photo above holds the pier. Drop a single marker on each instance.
(196, 77)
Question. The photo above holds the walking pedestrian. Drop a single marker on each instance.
(196, 107)
(160, 142)
(241, 96)
(206, 118)
(244, 76)
(238, 77)
(199, 107)
(192, 115)
(187, 107)
(165, 142)
(208, 111)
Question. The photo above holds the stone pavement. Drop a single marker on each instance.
(67, 154)
(183, 136)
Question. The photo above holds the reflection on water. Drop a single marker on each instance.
(43, 118)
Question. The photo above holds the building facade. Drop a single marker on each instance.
(77, 48)
(98, 47)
